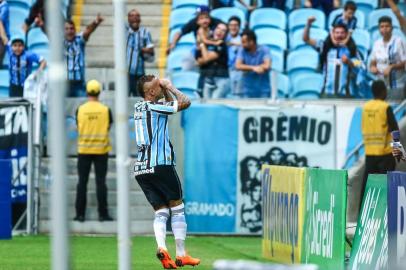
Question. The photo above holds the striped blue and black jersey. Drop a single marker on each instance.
(152, 135)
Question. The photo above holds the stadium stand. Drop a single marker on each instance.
(187, 82)
(363, 40)
(275, 39)
(36, 39)
(187, 40)
(283, 85)
(225, 13)
(4, 83)
(358, 14)
(181, 16)
(176, 58)
(188, 3)
(298, 19)
(25, 4)
(17, 17)
(302, 62)
(278, 60)
(296, 40)
(366, 6)
(378, 13)
(307, 86)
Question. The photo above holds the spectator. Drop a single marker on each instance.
(326, 5)
(378, 121)
(204, 33)
(255, 62)
(214, 65)
(4, 28)
(230, 3)
(347, 18)
(279, 4)
(396, 10)
(75, 55)
(388, 58)
(202, 15)
(20, 66)
(234, 43)
(36, 15)
(337, 59)
(94, 120)
(140, 49)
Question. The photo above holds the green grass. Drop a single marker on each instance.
(100, 253)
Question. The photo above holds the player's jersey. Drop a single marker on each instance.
(152, 135)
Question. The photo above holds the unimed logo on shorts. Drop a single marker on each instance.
(210, 209)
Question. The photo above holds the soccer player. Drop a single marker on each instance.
(155, 166)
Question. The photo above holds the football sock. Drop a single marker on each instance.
(161, 217)
(179, 228)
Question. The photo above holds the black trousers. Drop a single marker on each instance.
(16, 91)
(376, 165)
(100, 166)
(132, 85)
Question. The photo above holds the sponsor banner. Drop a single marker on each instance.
(13, 145)
(210, 168)
(288, 136)
(283, 203)
(5, 199)
(397, 219)
(370, 245)
(325, 218)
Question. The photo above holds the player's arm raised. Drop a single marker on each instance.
(183, 100)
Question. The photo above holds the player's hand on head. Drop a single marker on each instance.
(165, 83)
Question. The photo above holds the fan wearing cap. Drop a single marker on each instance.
(202, 17)
(21, 63)
(93, 120)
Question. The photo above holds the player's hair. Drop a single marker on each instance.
(385, 19)
(235, 18)
(140, 85)
(250, 35)
(378, 88)
(69, 21)
(350, 5)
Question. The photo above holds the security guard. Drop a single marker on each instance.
(378, 121)
(93, 120)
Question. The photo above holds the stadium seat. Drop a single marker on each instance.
(25, 4)
(36, 38)
(185, 80)
(375, 15)
(302, 60)
(307, 86)
(187, 40)
(181, 16)
(282, 84)
(358, 14)
(176, 59)
(17, 17)
(362, 40)
(268, 17)
(4, 83)
(275, 39)
(298, 18)
(188, 3)
(42, 51)
(366, 6)
(225, 13)
(278, 60)
(296, 40)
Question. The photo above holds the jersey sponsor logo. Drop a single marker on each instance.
(144, 171)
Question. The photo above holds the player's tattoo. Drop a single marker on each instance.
(183, 100)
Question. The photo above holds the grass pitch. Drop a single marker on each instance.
(100, 253)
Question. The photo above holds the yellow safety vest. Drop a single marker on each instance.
(93, 127)
(375, 130)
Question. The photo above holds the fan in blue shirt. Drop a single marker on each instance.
(4, 28)
(20, 66)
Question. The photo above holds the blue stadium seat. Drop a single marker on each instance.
(375, 15)
(268, 17)
(17, 17)
(36, 38)
(283, 85)
(225, 13)
(307, 86)
(276, 39)
(358, 14)
(366, 6)
(188, 3)
(4, 83)
(175, 60)
(187, 82)
(25, 4)
(296, 40)
(181, 16)
(298, 18)
(187, 40)
(363, 40)
(42, 51)
(278, 60)
(302, 61)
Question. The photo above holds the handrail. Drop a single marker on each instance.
(356, 150)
